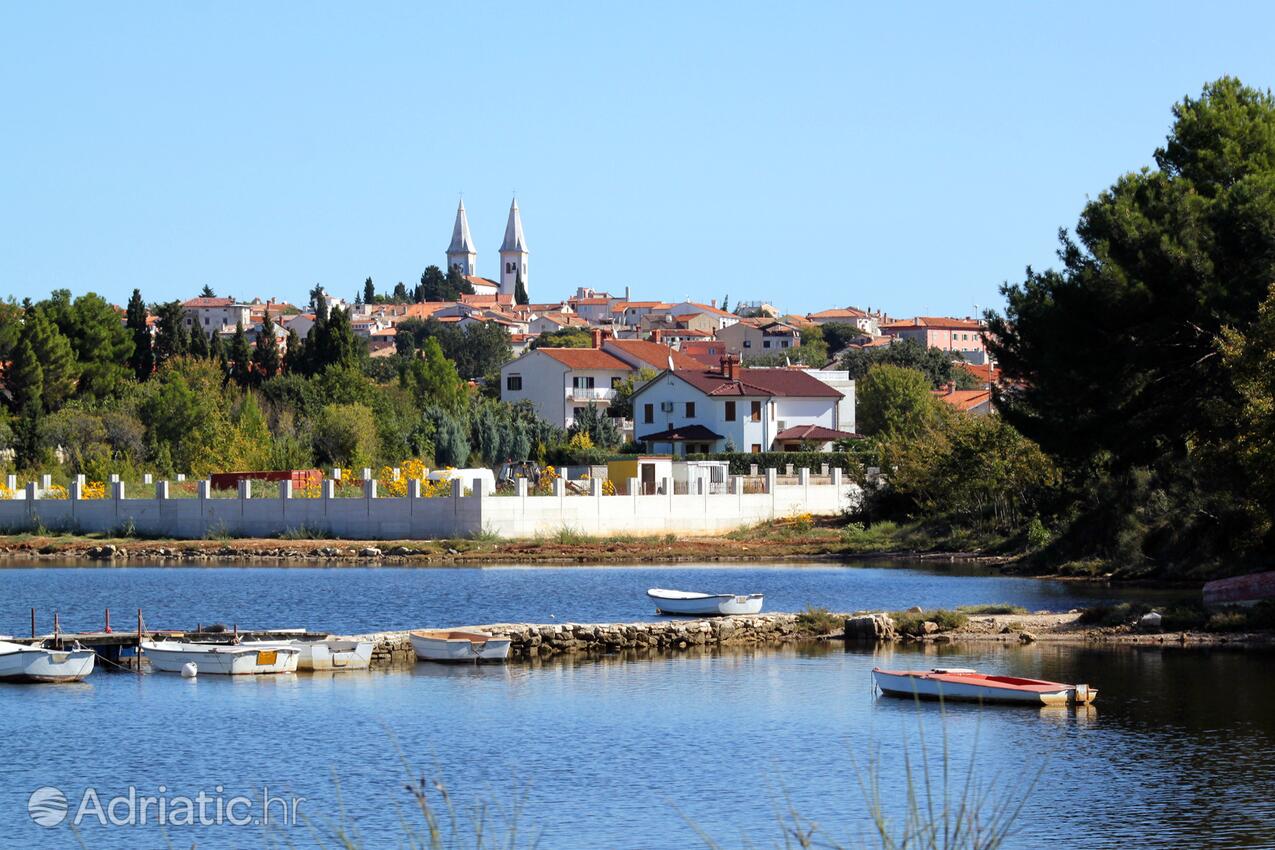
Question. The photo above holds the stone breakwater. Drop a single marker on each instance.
(528, 640)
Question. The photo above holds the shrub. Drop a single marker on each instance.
(740, 461)
(345, 434)
(989, 610)
(1037, 536)
(819, 620)
(1119, 614)
(912, 623)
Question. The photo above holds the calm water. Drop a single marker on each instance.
(622, 753)
(368, 599)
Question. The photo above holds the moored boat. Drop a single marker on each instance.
(169, 656)
(966, 685)
(458, 645)
(704, 604)
(334, 653)
(23, 663)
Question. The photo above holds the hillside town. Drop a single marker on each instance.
(749, 377)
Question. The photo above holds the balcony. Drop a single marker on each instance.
(594, 394)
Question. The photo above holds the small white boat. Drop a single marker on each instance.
(22, 663)
(334, 654)
(703, 604)
(169, 656)
(455, 645)
(966, 685)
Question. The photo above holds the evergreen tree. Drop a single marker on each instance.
(400, 293)
(25, 378)
(265, 358)
(434, 380)
(520, 291)
(240, 356)
(55, 356)
(198, 343)
(142, 360)
(172, 339)
(433, 285)
(369, 292)
(207, 292)
(456, 285)
(294, 353)
(217, 349)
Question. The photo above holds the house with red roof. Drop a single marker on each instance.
(733, 408)
(976, 402)
(963, 337)
(561, 382)
(213, 314)
(869, 323)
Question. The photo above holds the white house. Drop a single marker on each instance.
(759, 336)
(561, 382)
(213, 314)
(734, 408)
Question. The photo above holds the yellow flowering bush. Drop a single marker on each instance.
(93, 490)
(547, 476)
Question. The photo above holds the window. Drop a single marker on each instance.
(513, 383)
(783, 343)
(582, 382)
(765, 343)
(748, 343)
(756, 411)
(690, 410)
(730, 411)
(756, 448)
(648, 413)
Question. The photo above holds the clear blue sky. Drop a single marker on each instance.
(910, 157)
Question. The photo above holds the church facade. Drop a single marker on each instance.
(462, 254)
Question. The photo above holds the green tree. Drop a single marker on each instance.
(240, 356)
(893, 401)
(142, 360)
(433, 286)
(622, 405)
(207, 292)
(25, 379)
(433, 379)
(55, 356)
(171, 337)
(520, 290)
(369, 292)
(565, 338)
(400, 295)
(404, 344)
(265, 357)
(937, 364)
(601, 428)
(345, 435)
(293, 353)
(198, 343)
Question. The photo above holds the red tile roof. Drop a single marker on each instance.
(838, 313)
(813, 432)
(941, 323)
(792, 383)
(965, 399)
(652, 354)
(586, 358)
(987, 373)
(201, 301)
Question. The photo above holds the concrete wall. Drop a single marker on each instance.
(412, 517)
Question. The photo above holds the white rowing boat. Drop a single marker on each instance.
(169, 656)
(23, 663)
(457, 645)
(703, 604)
(334, 654)
(964, 684)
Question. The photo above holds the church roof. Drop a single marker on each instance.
(514, 240)
(462, 242)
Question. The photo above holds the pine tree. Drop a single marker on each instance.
(520, 291)
(217, 349)
(207, 292)
(56, 358)
(25, 378)
(142, 361)
(369, 292)
(433, 284)
(265, 358)
(240, 356)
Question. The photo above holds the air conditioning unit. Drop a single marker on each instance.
(666, 406)
(781, 425)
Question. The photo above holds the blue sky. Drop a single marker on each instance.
(905, 156)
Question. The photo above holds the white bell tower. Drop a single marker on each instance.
(461, 252)
(513, 254)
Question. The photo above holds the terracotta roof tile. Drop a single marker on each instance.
(652, 353)
(792, 383)
(586, 358)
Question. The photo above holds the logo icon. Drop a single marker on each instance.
(47, 806)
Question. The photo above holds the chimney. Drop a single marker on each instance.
(597, 337)
(712, 302)
(626, 293)
(657, 334)
(729, 362)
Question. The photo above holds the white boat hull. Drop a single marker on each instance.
(21, 663)
(222, 660)
(334, 654)
(921, 687)
(704, 604)
(459, 646)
